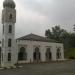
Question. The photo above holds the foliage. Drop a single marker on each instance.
(70, 53)
(61, 35)
(56, 33)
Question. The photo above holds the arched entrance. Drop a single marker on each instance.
(0, 55)
(58, 54)
(48, 54)
(22, 55)
(36, 55)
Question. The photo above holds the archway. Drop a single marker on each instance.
(22, 55)
(37, 55)
(48, 54)
(0, 55)
(58, 54)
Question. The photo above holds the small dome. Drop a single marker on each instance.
(9, 3)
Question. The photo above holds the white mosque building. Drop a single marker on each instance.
(27, 49)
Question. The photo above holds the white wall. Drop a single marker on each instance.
(42, 45)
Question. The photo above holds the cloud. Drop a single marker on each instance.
(35, 16)
(54, 9)
(60, 12)
(0, 19)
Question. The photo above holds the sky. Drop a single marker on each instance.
(36, 16)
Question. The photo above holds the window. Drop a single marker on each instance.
(9, 42)
(10, 17)
(3, 29)
(58, 53)
(22, 55)
(2, 56)
(2, 42)
(25, 56)
(48, 49)
(37, 54)
(9, 56)
(36, 49)
(10, 28)
(48, 54)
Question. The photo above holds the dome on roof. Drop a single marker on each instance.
(9, 3)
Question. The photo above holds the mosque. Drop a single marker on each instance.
(30, 48)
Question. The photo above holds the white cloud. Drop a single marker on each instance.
(35, 16)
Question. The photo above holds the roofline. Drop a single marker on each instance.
(53, 41)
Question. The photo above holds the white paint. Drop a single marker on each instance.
(43, 46)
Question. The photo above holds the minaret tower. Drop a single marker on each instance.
(8, 35)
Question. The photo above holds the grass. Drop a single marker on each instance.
(70, 53)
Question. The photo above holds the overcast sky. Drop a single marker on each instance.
(35, 16)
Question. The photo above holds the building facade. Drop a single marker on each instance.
(27, 49)
(34, 48)
(8, 35)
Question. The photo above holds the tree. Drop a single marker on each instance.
(61, 35)
(48, 34)
(72, 40)
(56, 33)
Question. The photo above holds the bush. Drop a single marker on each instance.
(70, 53)
(71, 57)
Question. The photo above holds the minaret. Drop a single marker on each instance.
(8, 36)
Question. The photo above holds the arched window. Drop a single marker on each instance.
(36, 49)
(10, 28)
(9, 56)
(3, 29)
(22, 55)
(58, 53)
(48, 54)
(2, 42)
(0, 55)
(37, 54)
(10, 17)
(9, 42)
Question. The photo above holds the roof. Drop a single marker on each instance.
(33, 37)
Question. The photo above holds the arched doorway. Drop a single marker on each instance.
(58, 54)
(22, 55)
(48, 54)
(37, 55)
(0, 55)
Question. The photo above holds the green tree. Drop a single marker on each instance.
(61, 35)
(72, 40)
(55, 34)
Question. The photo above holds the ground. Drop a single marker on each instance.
(62, 68)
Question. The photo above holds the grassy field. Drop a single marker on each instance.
(70, 53)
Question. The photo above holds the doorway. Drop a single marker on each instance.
(37, 55)
(48, 55)
(22, 55)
